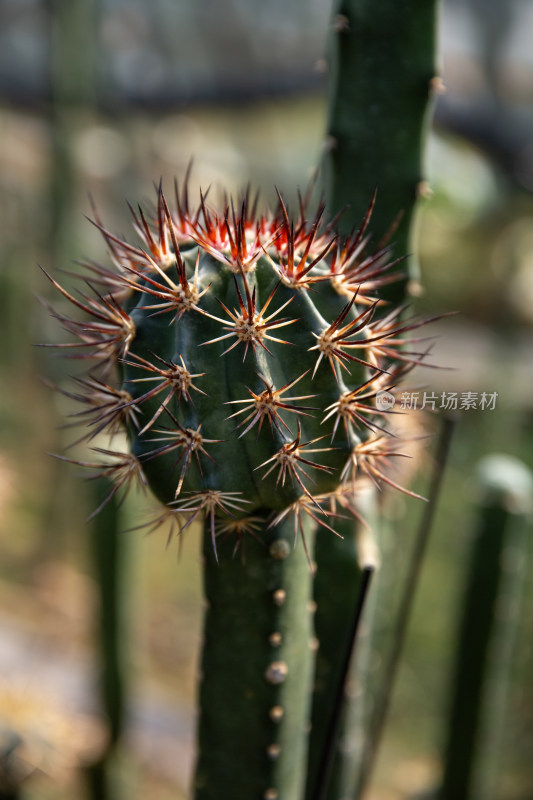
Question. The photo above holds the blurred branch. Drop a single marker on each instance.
(25, 96)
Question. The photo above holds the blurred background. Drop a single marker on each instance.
(104, 98)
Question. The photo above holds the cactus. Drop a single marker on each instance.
(378, 111)
(493, 588)
(243, 355)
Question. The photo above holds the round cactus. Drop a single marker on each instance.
(244, 355)
(249, 352)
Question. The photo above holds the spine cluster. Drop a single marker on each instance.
(243, 355)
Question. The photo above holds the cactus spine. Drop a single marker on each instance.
(243, 355)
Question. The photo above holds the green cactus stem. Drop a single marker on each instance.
(489, 619)
(243, 355)
(256, 668)
(382, 72)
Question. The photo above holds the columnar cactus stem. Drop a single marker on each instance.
(382, 72)
(493, 589)
(256, 670)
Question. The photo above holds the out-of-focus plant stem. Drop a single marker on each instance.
(73, 87)
(487, 629)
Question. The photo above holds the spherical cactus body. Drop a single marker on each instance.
(250, 352)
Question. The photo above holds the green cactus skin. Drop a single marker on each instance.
(249, 352)
(382, 71)
(493, 588)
